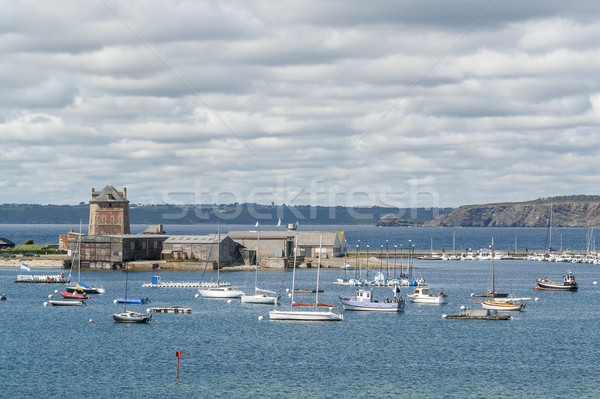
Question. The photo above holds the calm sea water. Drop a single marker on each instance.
(422, 237)
(549, 350)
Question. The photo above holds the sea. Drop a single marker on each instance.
(232, 350)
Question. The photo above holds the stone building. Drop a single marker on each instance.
(113, 251)
(211, 247)
(109, 212)
(280, 244)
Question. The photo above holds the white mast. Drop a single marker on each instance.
(318, 269)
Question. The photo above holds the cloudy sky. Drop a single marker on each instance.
(394, 103)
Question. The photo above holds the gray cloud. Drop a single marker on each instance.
(310, 102)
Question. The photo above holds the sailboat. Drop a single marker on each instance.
(307, 315)
(218, 290)
(80, 286)
(128, 316)
(260, 295)
(492, 303)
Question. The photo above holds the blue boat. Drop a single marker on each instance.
(139, 301)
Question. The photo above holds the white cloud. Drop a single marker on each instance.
(304, 102)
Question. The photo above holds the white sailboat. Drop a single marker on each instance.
(307, 315)
(128, 316)
(80, 286)
(260, 296)
(218, 290)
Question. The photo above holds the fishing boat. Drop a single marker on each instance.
(260, 296)
(568, 283)
(466, 313)
(128, 316)
(66, 302)
(307, 315)
(364, 301)
(422, 295)
(74, 295)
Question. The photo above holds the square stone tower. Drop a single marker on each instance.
(109, 212)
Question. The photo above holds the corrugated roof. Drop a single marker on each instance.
(108, 194)
(189, 239)
(306, 238)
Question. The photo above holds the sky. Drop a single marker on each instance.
(386, 103)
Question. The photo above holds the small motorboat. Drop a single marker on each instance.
(422, 295)
(66, 302)
(131, 317)
(74, 295)
(568, 283)
(3, 297)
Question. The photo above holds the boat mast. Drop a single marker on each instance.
(318, 269)
(256, 268)
(294, 270)
(493, 278)
(126, 279)
(218, 252)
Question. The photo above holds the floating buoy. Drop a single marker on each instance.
(537, 288)
(50, 296)
(91, 321)
(45, 303)
(196, 296)
(444, 316)
(287, 290)
(289, 295)
(260, 317)
(114, 301)
(537, 299)
(56, 291)
(229, 301)
(148, 310)
(595, 282)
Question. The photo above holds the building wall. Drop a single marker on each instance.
(227, 249)
(109, 218)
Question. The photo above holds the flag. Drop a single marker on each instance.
(256, 224)
(24, 267)
(279, 222)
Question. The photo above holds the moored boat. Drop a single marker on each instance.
(66, 302)
(363, 300)
(568, 283)
(138, 301)
(502, 305)
(131, 317)
(74, 295)
(422, 295)
(476, 314)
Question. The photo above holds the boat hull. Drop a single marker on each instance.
(138, 301)
(430, 300)
(502, 306)
(66, 302)
(221, 293)
(90, 290)
(260, 299)
(131, 317)
(351, 304)
(304, 315)
(556, 287)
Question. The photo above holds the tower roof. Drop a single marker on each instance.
(108, 194)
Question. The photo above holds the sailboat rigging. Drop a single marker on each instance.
(128, 316)
(306, 315)
(260, 295)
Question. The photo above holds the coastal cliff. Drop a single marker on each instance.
(572, 211)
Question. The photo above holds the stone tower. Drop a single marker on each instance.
(109, 212)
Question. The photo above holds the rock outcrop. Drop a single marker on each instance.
(391, 220)
(523, 214)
